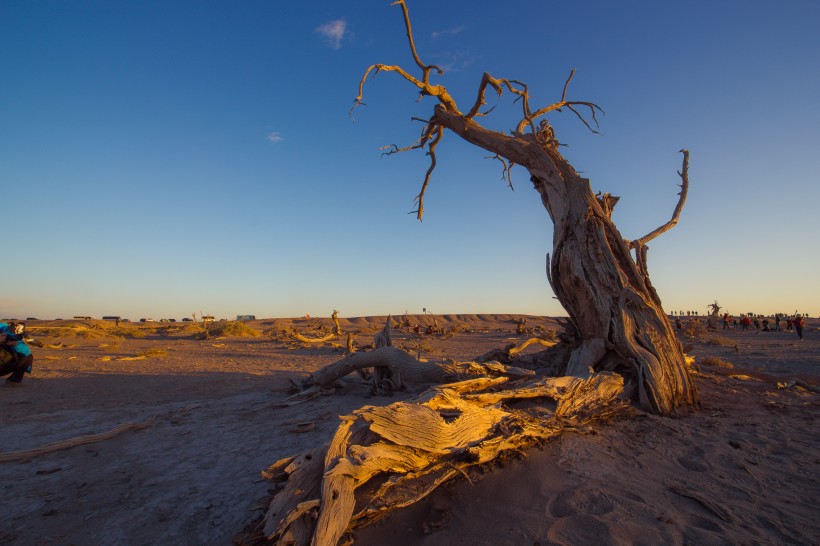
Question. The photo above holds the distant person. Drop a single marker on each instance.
(789, 324)
(678, 324)
(766, 325)
(799, 324)
(777, 322)
(725, 321)
(15, 358)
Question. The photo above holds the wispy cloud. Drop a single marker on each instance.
(333, 32)
(449, 32)
(454, 61)
(276, 138)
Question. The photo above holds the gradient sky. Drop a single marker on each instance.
(161, 158)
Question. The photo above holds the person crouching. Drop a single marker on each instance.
(15, 359)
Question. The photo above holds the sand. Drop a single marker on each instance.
(742, 470)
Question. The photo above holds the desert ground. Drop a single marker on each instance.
(166, 435)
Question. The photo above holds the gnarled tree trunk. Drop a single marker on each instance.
(607, 294)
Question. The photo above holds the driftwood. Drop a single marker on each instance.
(509, 352)
(396, 368)
(405, 450)
(795, 382)
(13, 456)
(303, 339)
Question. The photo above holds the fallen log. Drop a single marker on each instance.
(405, 450)
(395, 368)
(299, 337)
(511, 351)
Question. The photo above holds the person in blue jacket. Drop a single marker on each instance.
(15, 357)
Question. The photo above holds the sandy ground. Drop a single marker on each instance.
(742, 470)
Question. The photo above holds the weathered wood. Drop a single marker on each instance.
(337, 328)
(303, 339)
(399, 368)
(510, 351)
(302, 475)
(383, 338)
(410, 448)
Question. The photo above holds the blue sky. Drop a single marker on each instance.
(165, 158)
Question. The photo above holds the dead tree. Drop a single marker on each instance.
(337, 329)
(600, 278)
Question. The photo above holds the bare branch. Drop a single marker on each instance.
(486, 80)
(426, 135)
(438, 131)
(425, 68)
(684, 188)
(566, 85)
(506, 173)
(438, 91)
(529, 119)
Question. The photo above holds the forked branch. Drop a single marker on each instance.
(424, 85)
(425, 68)
(684, 189)
(506, 173)
(529, 119)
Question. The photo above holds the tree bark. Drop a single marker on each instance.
(617, 313)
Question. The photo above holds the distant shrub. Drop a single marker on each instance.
(721, 341)
(694, 329)
(232, 328)
(715, 362)
(135, 333)
(154, 352)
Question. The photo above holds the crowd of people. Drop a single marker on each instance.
(748, 321)
(794, 323)
(16, 359)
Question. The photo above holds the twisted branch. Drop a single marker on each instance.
(433, 131)
(431, 151)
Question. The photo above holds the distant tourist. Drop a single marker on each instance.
(799, 323)
(725, 321)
